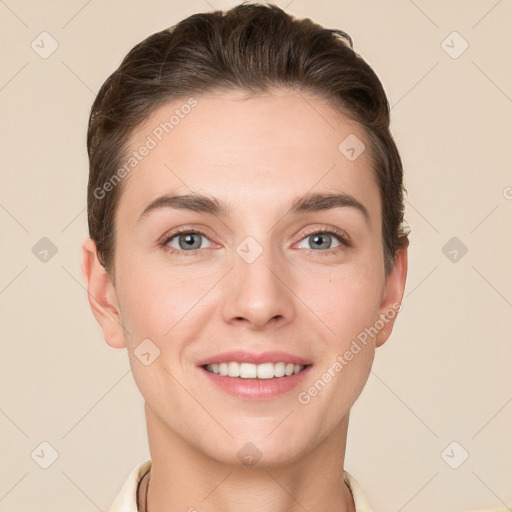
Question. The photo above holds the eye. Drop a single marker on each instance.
(323, 239)
(186, 240)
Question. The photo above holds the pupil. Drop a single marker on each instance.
(188, 241)
(319, 237)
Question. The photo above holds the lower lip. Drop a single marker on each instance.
(256, 389)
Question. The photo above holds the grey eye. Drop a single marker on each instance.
(186, 241)
(320, 241)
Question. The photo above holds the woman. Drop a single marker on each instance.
(246, 246)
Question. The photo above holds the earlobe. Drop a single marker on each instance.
(101, 295)
(393, 294)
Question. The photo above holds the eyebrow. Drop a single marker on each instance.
(310, 202)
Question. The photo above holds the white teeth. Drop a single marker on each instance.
(248, 371)
(279, 369)
(265, 371)
(233, 369)
(254, 371)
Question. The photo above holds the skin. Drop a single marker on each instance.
(291, 298)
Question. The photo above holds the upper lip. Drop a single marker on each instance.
(242, 356)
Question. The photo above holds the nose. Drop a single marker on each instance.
(258, 292)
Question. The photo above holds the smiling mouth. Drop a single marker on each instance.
(254, 371)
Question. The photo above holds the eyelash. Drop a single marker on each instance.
(329, 231)
(185, 231)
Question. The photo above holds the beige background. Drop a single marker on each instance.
(446, 373)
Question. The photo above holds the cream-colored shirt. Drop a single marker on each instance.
(126, 501)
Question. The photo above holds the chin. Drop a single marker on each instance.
(262, 452)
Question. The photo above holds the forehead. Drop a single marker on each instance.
(259, 150)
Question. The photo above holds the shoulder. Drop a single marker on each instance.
(126, 500)
(360, 500)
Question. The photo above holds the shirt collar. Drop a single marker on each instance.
(126, 500)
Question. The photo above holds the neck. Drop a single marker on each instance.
(184, 478)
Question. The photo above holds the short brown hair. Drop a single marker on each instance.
(252, 47)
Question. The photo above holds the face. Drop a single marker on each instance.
(268, 276)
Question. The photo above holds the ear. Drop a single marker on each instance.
(392, 296)
(102, 296)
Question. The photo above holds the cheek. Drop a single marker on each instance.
(153, 301)
(160, 307)
(346, 308)
(343, 302)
